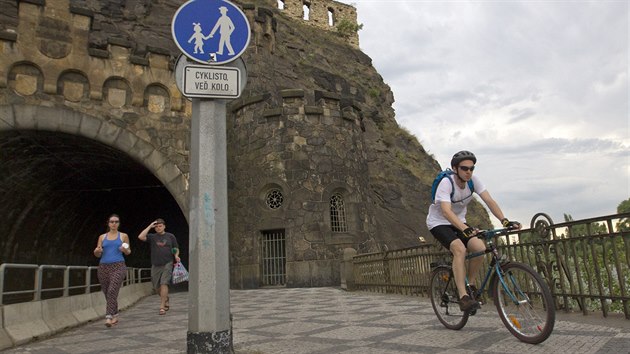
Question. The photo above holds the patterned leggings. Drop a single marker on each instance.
(111, 277)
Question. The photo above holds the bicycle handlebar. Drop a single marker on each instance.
(488, 234)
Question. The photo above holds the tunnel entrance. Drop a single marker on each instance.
(57, 191)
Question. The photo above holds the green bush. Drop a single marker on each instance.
(347, 28)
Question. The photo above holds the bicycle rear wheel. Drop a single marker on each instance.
(524, 303)
(444, 299)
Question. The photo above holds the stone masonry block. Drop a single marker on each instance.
(108, 133)
(73, 91)
(70, 122)
(7, 120)
(179, 185)
(168, 172)
(25, 116)
(90, 127)
(49, 119)
(298, 274)
(155, 160)
(126, 141)
(142, 149)
(321, 273)
(25, 84)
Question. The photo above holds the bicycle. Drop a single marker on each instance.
(521, 296)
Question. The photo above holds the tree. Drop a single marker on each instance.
(624, 223)
(624, 207)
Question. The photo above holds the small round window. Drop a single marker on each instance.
(274, 199)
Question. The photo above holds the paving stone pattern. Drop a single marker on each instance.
(329, 320)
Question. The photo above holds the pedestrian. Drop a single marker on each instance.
(112, 270)
(164, 249)
(447, 222)
(226, 27)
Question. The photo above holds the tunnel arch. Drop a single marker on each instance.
(67, 172)
(27, 117)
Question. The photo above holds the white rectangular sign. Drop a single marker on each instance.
(211, 81)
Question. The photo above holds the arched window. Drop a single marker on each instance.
(306, 11)
(338, 214)
(331, 17)
(281, 4)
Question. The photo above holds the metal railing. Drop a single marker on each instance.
(31, 282)
(586, 263)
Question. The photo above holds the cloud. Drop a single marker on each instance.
(538, 90)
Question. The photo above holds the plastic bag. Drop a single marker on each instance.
(180, 274)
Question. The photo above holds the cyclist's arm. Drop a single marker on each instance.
(451, 217)
(492, 205)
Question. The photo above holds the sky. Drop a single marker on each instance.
(538, 90)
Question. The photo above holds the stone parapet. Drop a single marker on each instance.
(323, 14)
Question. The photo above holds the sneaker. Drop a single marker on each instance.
(466, 303)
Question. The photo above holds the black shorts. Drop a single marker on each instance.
(447, 234)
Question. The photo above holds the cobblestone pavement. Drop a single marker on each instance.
(330, 320)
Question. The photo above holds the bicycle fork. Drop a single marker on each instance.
(504, 278)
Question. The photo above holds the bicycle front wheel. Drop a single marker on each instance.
(524, 302)
(444, 299)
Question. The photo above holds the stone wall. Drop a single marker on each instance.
(319, 12)
(307, 147)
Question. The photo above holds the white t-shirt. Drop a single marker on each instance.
(461, 198)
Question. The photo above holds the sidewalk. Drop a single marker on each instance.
(329, 320)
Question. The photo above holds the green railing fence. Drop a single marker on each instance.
(585, 262)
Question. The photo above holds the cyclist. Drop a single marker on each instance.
(447, 222)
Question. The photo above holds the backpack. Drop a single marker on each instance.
(447, 173)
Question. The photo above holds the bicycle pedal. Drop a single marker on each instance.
(474, 309)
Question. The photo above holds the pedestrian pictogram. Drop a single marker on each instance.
(211, 32)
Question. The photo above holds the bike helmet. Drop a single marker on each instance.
(461, 156)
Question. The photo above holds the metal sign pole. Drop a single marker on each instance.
(209, 328)
(221, 33)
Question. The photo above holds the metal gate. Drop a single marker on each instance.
(273, 256)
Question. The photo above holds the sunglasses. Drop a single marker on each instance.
(114, 222)
(466, 168)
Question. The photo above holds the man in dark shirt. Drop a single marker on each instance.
(163, 246)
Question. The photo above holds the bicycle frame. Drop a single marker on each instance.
(530, 319)
(495, 264)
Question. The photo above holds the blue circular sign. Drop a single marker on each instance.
(211, 32)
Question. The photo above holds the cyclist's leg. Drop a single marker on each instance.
(459, 265)
(448, 236)
(475, 245)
